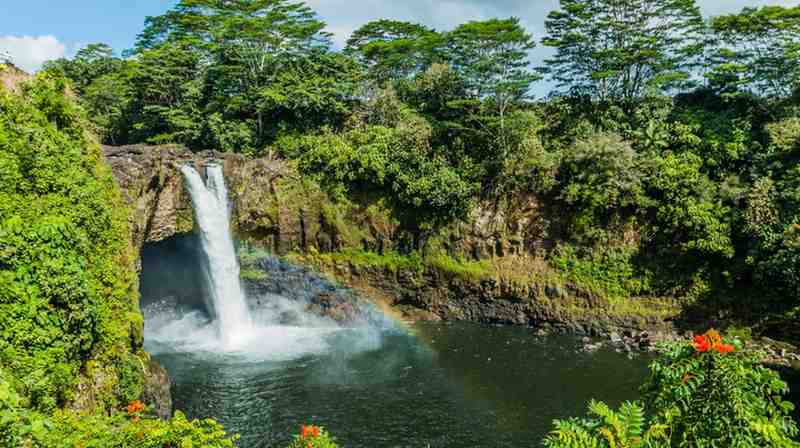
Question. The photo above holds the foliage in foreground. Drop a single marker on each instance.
(23, 427)
(313, 437)
(706, 393)
(68, 303)
(70, 331)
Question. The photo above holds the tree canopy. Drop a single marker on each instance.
(666, 141)
(622, 49)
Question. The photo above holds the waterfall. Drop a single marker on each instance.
(212, 212)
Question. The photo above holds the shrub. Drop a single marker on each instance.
(601, 184)
(313, 437)
(606, 428)
(67, 278)
(709, 393)
(608, 271)
(703, 393)
(23, 427)
(393, 162)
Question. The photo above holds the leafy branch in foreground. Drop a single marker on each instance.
(703, 393)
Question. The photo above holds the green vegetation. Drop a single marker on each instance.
(701, 394)
(70, 330)
(464, 269)
(64, 254)
(23, 427)
(664, 164)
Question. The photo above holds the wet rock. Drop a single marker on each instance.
(156, 392)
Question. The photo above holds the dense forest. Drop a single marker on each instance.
(665, 162)
(668, 148)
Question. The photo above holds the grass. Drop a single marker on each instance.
(391, 261)
(252, 274)
(464, 269)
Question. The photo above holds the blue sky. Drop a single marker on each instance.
(33, 31)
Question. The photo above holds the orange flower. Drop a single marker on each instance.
(135, 407)
(309, 431)
(713, 337)
(724, 348)
(701, 344)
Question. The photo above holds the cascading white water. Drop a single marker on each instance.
(210, 201)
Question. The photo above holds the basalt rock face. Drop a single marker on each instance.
(278, 209)
(275, 208)
(271, 205)
(153, 187)
(432, 294)
(156, 391)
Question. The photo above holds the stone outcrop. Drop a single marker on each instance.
(11, 77)
(271, 204)
(433, 294)
(156, 390)
(278, 209)
(153, 187)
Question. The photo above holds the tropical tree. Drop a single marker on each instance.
(262, 67)
(492, 57)
(759, 50)
(393, 50)
(622, 49)
(90, 63)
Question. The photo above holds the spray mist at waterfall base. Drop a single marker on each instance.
(276, 329)
(271, 336)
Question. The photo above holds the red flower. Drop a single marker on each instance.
(135, 407)
(724, 348)
(701, 344)
(310, 431)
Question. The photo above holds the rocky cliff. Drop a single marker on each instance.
(276, 209)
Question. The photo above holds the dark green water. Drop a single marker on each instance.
(457, 385)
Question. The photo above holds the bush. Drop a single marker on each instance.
(607, 428)
(608, 271)
(67, 278)
(313, 437)
(22, 427)
(601, 183)
(709, 393)
(704, 393)
(425, 189)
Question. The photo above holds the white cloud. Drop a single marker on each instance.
(30, 52)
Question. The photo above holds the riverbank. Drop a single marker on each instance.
(518, 292)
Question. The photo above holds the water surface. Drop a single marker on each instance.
(443, 385)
